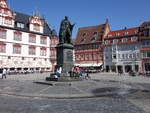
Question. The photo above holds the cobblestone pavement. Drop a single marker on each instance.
(105, 93)
(10, 104)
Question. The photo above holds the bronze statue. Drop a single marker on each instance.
(65, 31)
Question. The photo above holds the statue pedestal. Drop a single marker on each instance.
(65, 58)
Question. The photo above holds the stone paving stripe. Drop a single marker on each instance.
(44, 89)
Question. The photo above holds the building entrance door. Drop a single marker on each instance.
(120, 69)
(128, 68)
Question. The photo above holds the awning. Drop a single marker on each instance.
(89, 65)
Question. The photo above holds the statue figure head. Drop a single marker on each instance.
(66, 18)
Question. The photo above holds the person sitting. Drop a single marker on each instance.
(56, 73)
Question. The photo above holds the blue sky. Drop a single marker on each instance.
(121, 13)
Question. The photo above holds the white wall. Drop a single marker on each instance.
(24, 51)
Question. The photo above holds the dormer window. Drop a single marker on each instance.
(3, 4)
(126, 33)
(109, 36)
(8, 21)
(36, 24)
(82, 41)
(36, 27)
(136, 31)
(94, 36)
(20, 25)
(117, 34)
(84, 34)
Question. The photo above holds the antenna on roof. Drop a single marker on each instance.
(43, 17)
(36, 13)
(106, 21)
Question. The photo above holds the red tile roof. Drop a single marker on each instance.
(86, 34)
(145, 49)
(131, 31)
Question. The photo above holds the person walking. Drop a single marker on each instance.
(4, 73)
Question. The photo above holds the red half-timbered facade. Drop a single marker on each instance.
(88, 46)
(144, 31)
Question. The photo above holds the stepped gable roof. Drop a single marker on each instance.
(23, 18)
(123, 32)
(86, 35)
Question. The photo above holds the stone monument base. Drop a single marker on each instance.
(67, 79)
(64, 79)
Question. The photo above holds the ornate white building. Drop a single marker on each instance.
(24, 41)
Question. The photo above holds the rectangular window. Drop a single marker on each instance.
(43, 40)
(2, 34)
(17, 49)
(144, 55)
(43, 52)
(32, 38)
(123, 56)
(20, 25)
(130, 56)
(106, 42)
(124, 40)
(115, 41)
(134, 38)
(134, 55)
(118, 56)
(114, 56)
(138, 55)
(146, 33)
(17, 36)
(127, 56)
(32, 50)
(2, 48)
(90, 56)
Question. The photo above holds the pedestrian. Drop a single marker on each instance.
(87, 76)
(4, 73)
